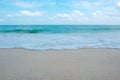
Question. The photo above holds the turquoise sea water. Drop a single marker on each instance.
(42, 37)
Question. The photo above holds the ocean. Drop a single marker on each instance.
(43, 37)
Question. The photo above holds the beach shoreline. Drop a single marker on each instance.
(78, 64)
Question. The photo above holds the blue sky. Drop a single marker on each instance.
(60, 12)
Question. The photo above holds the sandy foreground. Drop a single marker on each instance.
(81, 64)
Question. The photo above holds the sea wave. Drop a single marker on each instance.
(59, 41)
(57, 29)
(59, 37)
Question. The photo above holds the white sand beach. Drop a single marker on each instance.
(81, 64)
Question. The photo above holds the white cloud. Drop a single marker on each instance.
(24, 4)
(29, 13)
(111, 11)
(64, 15)
(13, 15)
(92, 11)
(33, 4)
(26, 13)
(104, 17)
(75, 15)
(118, 4)
(98, 13)
(86, 4)
(107, 15)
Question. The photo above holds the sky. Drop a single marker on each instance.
(79, 12)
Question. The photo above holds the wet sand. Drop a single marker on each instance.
(81, 64)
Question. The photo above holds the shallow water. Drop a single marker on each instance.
(42, 37)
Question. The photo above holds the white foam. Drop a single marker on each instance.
(60, 41)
